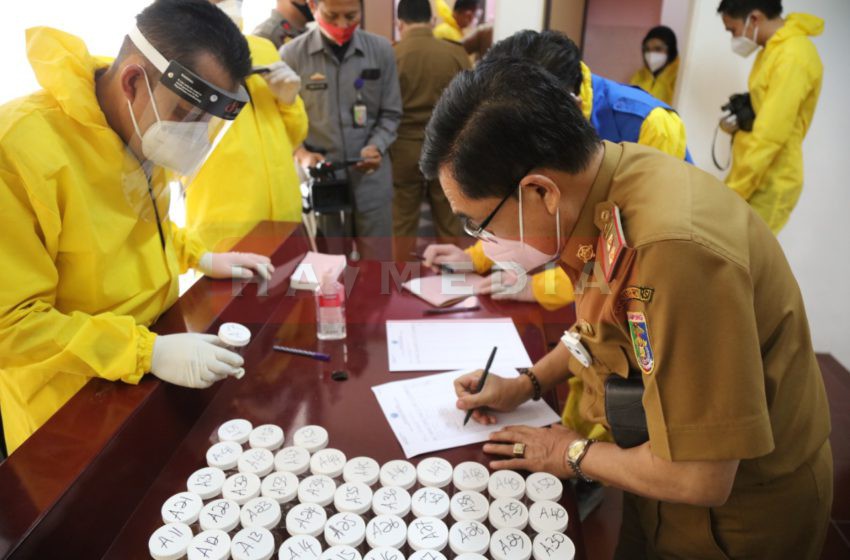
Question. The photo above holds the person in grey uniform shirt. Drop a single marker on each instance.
(353, 101)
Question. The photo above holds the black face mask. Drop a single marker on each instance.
(305, 11)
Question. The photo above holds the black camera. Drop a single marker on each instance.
(329, 189)
(740, 105)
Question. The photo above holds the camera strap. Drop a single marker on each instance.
(714, 152)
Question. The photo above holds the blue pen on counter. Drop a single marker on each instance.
(300, 352)
(481, 382)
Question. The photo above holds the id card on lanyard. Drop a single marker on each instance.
(359, 113)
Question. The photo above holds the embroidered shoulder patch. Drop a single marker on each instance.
(639, 330)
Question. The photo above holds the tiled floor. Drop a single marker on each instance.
(602, 526)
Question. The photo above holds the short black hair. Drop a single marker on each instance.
(494, 124)
(414, 11)
(182, 30)
(666, 35)
(465, 5)
(552, 50)
(740, 9)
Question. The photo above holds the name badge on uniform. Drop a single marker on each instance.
(573, 343)
(317, 81)
(611, 238)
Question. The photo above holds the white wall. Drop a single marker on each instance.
(515, 15)
(816, 237)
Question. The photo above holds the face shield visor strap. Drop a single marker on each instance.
(190, 87)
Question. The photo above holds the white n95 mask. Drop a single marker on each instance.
(655, 60)
(743, 45)
(520, 254)
(179, 146)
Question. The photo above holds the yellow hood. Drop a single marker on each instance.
(65, 69)
(797, 25)
(446, 14)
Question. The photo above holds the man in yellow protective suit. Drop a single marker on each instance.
(618, 113)
(91, 257)
(784, 86)
(225, 201)
(455, 19)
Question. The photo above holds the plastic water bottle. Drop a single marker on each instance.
(330, 309)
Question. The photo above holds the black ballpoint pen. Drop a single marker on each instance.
(481, 382)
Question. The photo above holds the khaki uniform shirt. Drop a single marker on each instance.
(278, 29)
(703, 304)
(426, 65)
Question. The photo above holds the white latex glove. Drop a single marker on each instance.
(193, 360)
(235, 265)
(447, 254)
(283, 81)
(507, 285)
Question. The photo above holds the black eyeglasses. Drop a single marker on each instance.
(478, 231)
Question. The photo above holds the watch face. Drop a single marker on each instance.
(575, 449)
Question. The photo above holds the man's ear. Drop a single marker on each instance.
(132, 79)
(543, 187)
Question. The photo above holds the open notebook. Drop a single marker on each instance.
(445, 289)
(313, 268)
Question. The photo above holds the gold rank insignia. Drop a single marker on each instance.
(611, 237)
(585, 253)
(639, 330)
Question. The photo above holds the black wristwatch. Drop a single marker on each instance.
(535, 383)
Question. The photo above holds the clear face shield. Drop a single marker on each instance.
(177, 129)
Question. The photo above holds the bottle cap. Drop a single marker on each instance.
(238, 430)
(220, 514)
(386, 531)
(234, 334)
(362, 469)
(206, 482)
(210, 545)
(170, 541)
(553, 546)
(329, 462)
(391, 500)
(306, 519)
(469, 506)
(267, 436)
(470, 556)
(257, 461)
(398, 473)
(506, 484)
(280, 486)
(546, 517)
(469, 536)
(340, 553)
(317, 489)
(427, 533)
(241, 487)
(345, 529)
(471, 475)
(510, 544)
(434, 471)
(508, 513)
(353, 497)
(303, 547)
(430, 502)
(292, 459)
(184, 507)
(260, 512)
(384, 553)
(253, 543)
(542, 486)
(427, 555)
(224, 455)
(311, 438)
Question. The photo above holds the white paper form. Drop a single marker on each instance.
(424, 418)
(448, 344)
